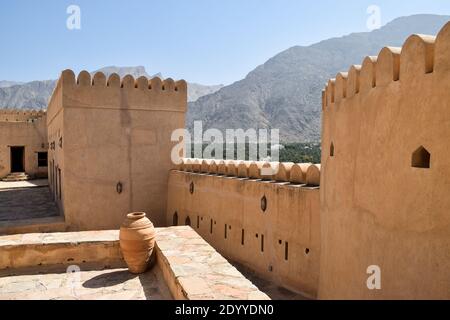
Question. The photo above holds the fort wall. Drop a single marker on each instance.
(23, 129)
(386, 174)
(55, 130)
(115, 138)
(269, 226)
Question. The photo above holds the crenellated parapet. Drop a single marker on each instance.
(16, 115)
(262, 215)
(307, 174)
(154, 85)
(419, 55)
(385, 173)
(98, 91)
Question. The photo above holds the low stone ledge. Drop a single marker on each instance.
(41, 249)
(195, 271)
(192, 269)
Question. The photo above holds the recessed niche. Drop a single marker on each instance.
(187, 222)
(264, 203)
(332, 150)
(191, 188)
(119, 187)
(175, 219)
(421, 158)
(286, 251)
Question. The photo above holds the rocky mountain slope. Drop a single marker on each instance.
(285, 92)
(35, 95)
(7, 84)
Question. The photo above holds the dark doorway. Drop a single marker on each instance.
(17, 159)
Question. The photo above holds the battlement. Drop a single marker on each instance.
(293, 173)
(154, 85)
(99, 92)
(385, 172)
(16, 115)
(419, 56)
(268, 223)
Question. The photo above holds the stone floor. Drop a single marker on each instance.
(274, 291)
(203, 274)
(69, 283)
(21, 202)
(194, 269)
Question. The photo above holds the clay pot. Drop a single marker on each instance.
(137, 239)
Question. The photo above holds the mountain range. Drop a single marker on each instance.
(35, 94)
(6, 84)
(283, 93)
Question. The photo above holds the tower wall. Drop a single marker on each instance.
(114, 143)
(379, 207)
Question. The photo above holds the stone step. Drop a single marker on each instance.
(16, 176)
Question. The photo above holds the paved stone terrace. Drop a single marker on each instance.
(191, 268)
(56, 283)
(200, 271)
(25, 201)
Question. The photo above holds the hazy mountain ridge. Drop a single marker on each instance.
(35, 94)
(285, 92)
(7, 84)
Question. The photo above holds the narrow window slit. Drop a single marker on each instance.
(286, 251)
(175, 219)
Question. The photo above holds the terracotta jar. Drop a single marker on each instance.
(137, 239)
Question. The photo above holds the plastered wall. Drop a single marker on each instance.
(116, 146)
(382, 202)
(23, 129)
(278, 238)
(55, 129)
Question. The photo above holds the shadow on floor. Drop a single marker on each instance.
(109, 279)
(274, 291)
(26, 204)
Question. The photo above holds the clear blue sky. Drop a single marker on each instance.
(204, 41)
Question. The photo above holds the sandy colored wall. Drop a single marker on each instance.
(117, 131)
(376, 209)
(55, 117)
(226, 202)
(16, 130)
